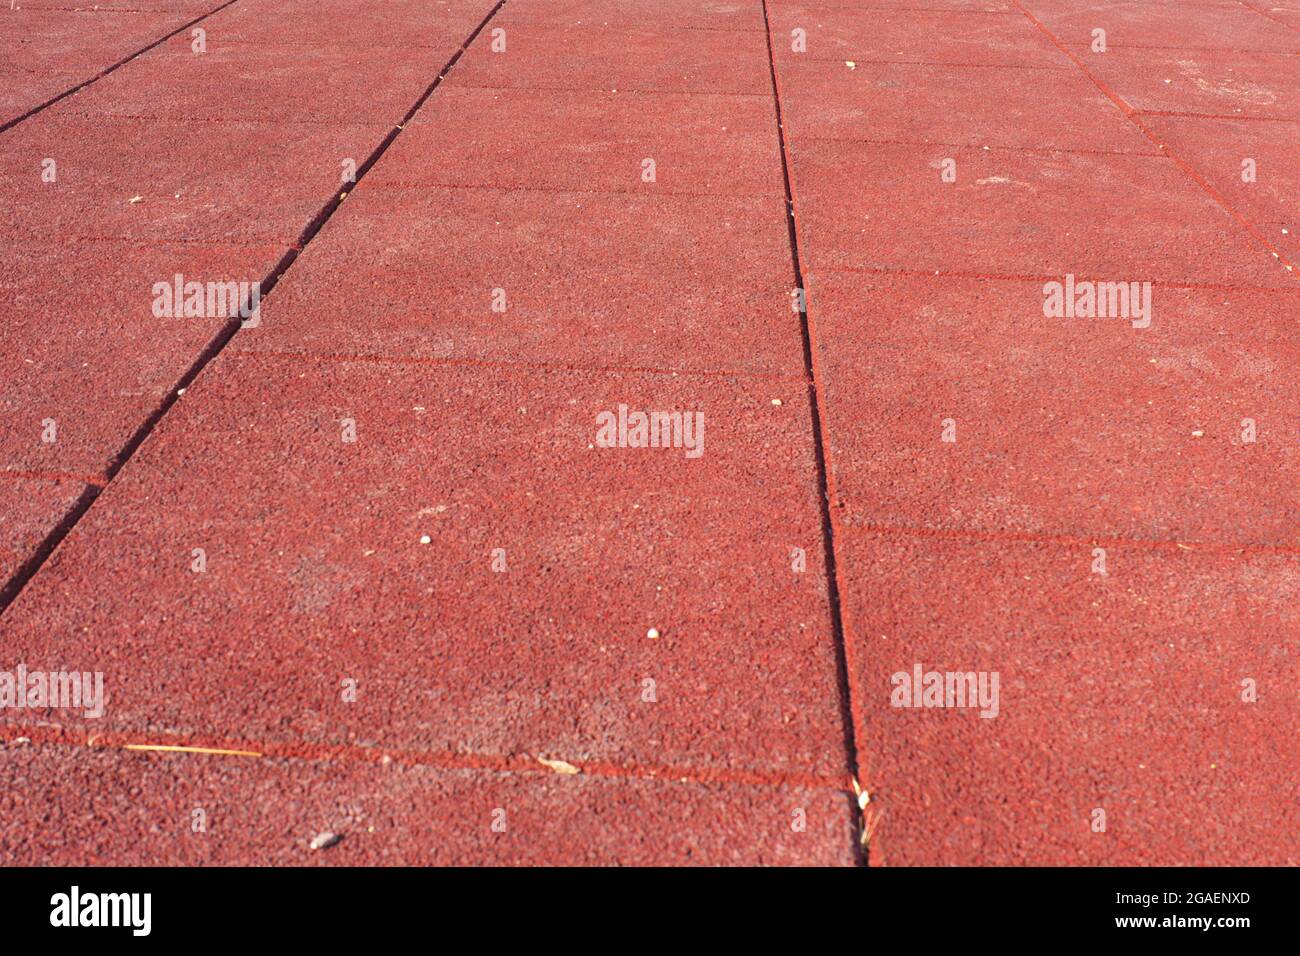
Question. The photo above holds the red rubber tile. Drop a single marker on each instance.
(80, 41)
(1217, 150)
(30, 508)
(690, 283)
(71, 806)
(548, 658)
(1284, 236)
(256, 82)
(1121, 693)
(1204, 82)
(954, 105)
(1284, 12)
(126, 178)
(87, 350)
(1020, 214)
(634, 14)
(192, 8)
(1217, 26)
(320, 24)
(22, 91)
(665, 60)
(719, 145)
(924, 36)
(960, 6)
(1074, 427)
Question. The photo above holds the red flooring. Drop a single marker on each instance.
(367, 546)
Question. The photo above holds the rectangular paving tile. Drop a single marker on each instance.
(193, 8)
(88, 353)
(633, 14)
(1060, 426)
(321, 24)
(1123, 693)
(21, 90)
(1286, 237)
(916, 36)
(30, 508)
(84, 41)
(1214, 83)
(680, 282)
(169, 180)
(1011, 213)
(666, 60)
(992, 106)
(328, 561)
(1254, 164)
(253, 81)
(719, 145)
(73, 806)
(1284, 12)
(961, 6)
(1220, 26)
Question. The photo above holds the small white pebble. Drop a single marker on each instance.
(776, 401)
(425, 539)
(323, 841)
(559, 766)
(653, 634)
(1198, 433)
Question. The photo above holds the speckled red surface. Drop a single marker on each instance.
(376, 574)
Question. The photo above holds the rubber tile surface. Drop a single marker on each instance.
(259, 82)
(1118, 218)
(194, 8)
(82, 41)
(685, 282)
(1222, 26)
(598, 142)
(127, 178)
(21, 91)
(71, 806)
(901, 102)
(664, 60)
(548, 655)
(30, 508)
(1286, 14)
(1214, 83)
(321, 24)
(1073, 426)
(1284, 236)
(959, 6)
(631, 14)
(1254, 165)
(1160, 694)
(99, 361)
(913, 36)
